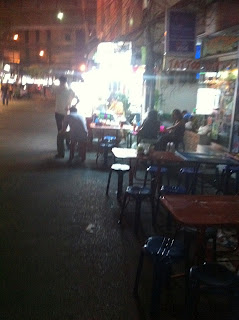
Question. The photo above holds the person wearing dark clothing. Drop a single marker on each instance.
(150, 127)
(174, 134)
(78, 134)
(5, 93)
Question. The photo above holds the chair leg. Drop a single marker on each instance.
(105, 154)
(145, 178)
(192, 298)
(138, 273)
(123, 208)
(108, 183)
(153, 211)
(158, 279)
(137, 215)
(214, 248)
(72, 149)
(120, 184)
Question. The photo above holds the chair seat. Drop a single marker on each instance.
(189, 170)
(233, 169)
(154, 244)
(109, 138)
(215, 275)
(154, 169)
(107, 145)
(173, 190)
(120, 167)
(138, 191)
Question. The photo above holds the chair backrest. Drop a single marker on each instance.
(174, 172)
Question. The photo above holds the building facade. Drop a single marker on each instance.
(45, 38)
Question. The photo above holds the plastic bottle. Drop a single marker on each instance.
(168, 146)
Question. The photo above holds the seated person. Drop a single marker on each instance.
(174, 133)
(189, 124)
(186, 115)
(78, 133)
(149, 129)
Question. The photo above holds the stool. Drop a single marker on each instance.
(120, 169)
(153, 170)
(106, 144)
(81, 145)
(138, 194)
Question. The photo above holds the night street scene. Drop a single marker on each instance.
(119, 157)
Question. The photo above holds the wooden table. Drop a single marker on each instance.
(104, 130)
(159, 157)
(202, 211)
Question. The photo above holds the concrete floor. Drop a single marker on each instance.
(63, 254)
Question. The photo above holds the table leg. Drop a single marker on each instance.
(131, 173)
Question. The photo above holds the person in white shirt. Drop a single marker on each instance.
(64, 96)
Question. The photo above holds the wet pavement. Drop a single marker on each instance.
(63, 254)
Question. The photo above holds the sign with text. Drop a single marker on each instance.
(181, 32)
(182, 64)
(188, 64)
(219, 45)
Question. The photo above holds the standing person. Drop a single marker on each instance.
(5, 93)
(78, 134)
(10, 91)
(174, 133)
(64, 96)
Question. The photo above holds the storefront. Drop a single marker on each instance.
(216, 97)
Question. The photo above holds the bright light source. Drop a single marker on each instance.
(60, 15)
(15, 37)
(56, 82)
(7, 68)
(82, 67)
(41, 53)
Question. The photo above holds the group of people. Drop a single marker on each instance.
(66, 115)
(150, 128)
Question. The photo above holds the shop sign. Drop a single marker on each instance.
(181, 32)
(218, 45)
(182, 64)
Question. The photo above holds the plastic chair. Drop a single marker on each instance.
(120, 169)
(215, 279)
(164, 252)
(189, 173)
(153, 170)
(225, 177)
(104, 146)
(139, 194)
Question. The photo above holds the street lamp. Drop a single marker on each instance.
(41, 53)
(15, 37)
(60, 15)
